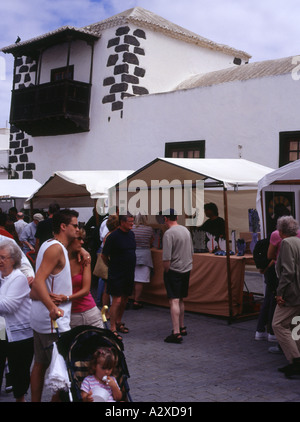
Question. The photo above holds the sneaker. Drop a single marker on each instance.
(275, 350)
(272, 338)
(259, 335)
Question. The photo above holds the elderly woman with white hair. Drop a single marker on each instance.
(15, 306)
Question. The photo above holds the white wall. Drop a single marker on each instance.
(112, 141)
(250, 113)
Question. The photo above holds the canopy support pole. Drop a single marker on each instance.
(227, 253)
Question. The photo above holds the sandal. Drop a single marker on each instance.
(121, 327)
(183, 331)
(174, 338)
(117, 335)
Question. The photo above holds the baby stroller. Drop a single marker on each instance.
(77, 347)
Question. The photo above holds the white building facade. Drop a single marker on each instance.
(121, 92)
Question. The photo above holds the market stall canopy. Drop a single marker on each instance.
(230, 173)
(236, 175)
(76, 188)
(18, 188)
(286, 175)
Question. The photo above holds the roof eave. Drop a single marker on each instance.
(33, 46)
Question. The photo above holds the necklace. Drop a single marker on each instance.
(60, 242)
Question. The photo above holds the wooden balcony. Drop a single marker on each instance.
(54, 108)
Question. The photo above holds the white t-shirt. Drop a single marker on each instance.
(60, 283)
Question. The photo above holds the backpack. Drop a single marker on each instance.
(260, 254)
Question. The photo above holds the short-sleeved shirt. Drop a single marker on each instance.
(91, 383)
(178, 248)
(120, 247)
(143, 236)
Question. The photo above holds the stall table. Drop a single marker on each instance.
(208, 289)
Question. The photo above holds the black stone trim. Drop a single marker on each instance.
(139, 90)
(112, 60)
(118, 105)
(25, 143)
(23, 69)
(130, 79)
(121, 48)
(130, 58)
(27, 175)
(20, 135)
(109, 81)
(30, 166)
(24, 158)
(18, 61)
(138, 71)
(140, 51)
(132, 51)
(113, 42)
(109, 99)
(17, 78)
(121, 68)
(140, 33)
(129, 39)
(123, 30)
(14, 144)
(119, 88)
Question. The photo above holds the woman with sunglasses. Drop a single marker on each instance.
(84, 310)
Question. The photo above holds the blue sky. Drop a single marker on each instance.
(266, 29)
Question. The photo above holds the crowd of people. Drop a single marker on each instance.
(55, 287)
(282, 290)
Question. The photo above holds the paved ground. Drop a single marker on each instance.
(217, 362)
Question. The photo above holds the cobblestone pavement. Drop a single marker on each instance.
(217, 362)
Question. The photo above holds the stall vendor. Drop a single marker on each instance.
(215, 225)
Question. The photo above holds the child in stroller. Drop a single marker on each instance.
(100, 385)
(78, 347)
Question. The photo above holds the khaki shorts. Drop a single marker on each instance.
(43, 347)
(91, 317)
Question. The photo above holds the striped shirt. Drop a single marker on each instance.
(143, 236)
(91, 383)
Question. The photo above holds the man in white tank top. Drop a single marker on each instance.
(53, 275)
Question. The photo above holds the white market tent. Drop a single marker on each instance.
(230, 172)
(279, 186)
(17, 190)
(76, 188)
(234, 176)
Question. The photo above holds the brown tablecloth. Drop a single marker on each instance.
(208, 291)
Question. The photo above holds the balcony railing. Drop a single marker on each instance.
(52, 109)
